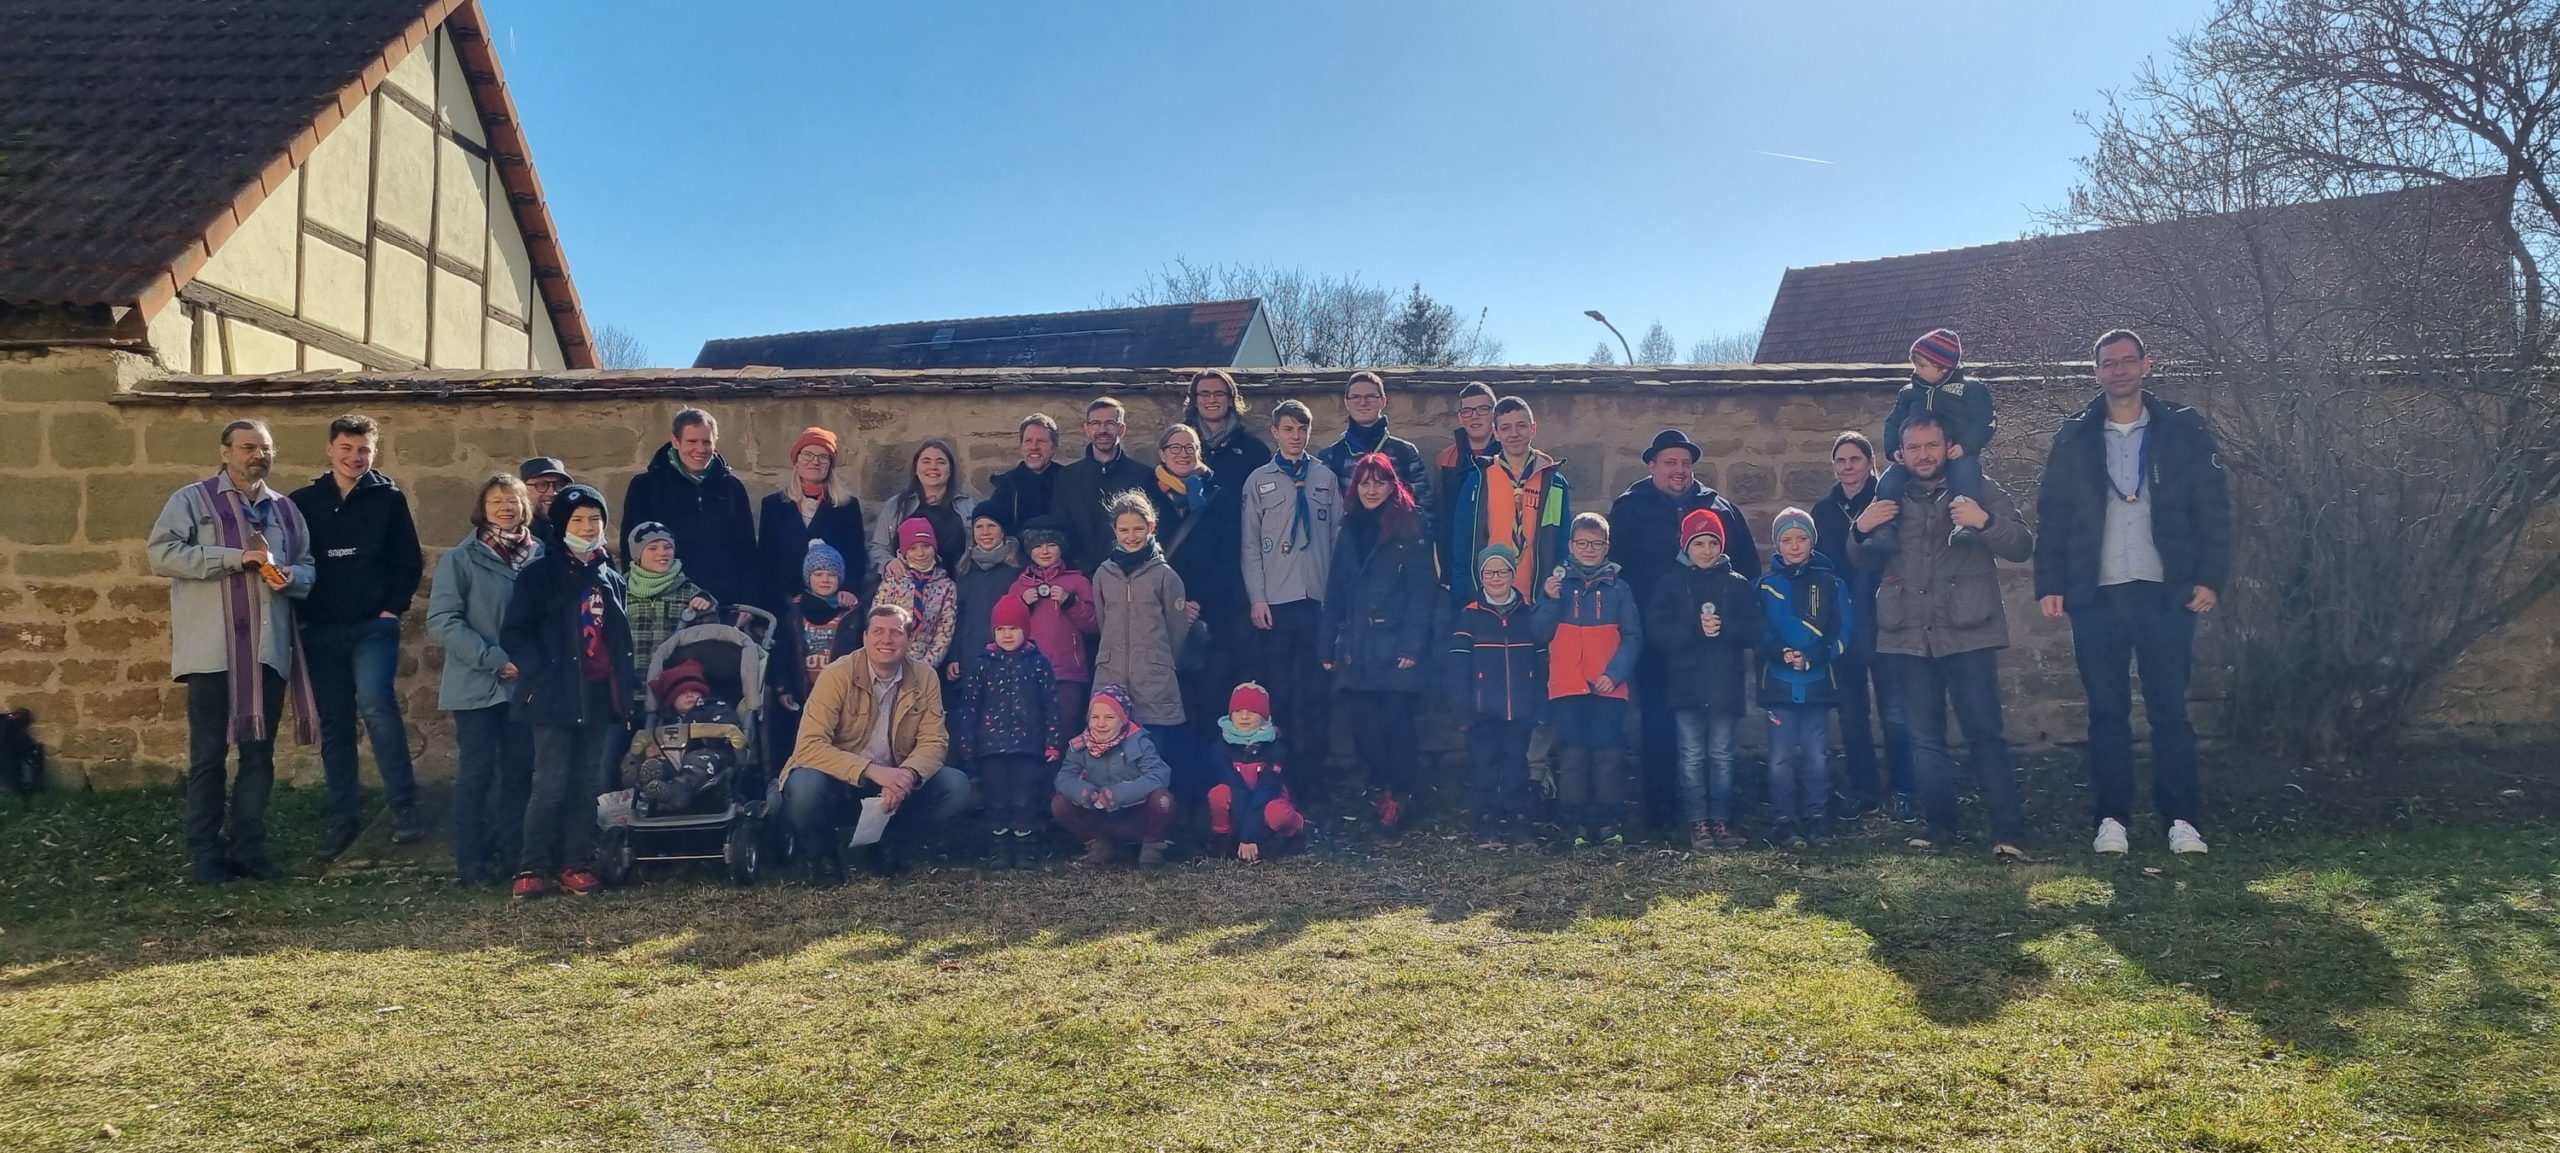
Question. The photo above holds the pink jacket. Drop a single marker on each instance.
(1060, 633)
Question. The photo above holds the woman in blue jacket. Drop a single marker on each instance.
(465, 612)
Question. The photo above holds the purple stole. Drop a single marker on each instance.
(245, 598)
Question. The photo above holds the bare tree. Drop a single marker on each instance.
(2340, 215)
(1328, 321)
(1601, 354)
(1737, 347)
(619, 347)
(1657, 347)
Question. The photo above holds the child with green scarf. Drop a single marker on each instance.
(661, 601)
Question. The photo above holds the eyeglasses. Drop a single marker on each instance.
(1207, 393)
(1365, 396)
(1475, 410)
(1184, 447)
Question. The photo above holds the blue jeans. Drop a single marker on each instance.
(2138, 622)
(1858, 668)
(1799, 764)
(822, 809)
(352, 667)
(492, 776)
(1964, 478)
(1971, 683)
(1706, 764)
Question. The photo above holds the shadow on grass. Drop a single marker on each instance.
(94, 897)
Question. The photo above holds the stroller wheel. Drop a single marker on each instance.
(744, 851)
(615, 858)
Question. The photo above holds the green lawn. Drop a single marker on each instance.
(2303, 993)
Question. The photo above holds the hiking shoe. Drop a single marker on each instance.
(1096, 852)
(406, 828)
(579, 882)
(1726, 838)
(341, 834)
(528, 885)
(2183, 838)
(255, 868)
(1905, 807)
(1702, 836)
(1151, 854)
(2110, 838)
(212, 871)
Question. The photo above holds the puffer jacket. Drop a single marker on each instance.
(1972, 420)
(1060, 629)
(1595, 628)
(1378, 608)
(1129, 772)
(465, 611)
(2190, 503)
(1497, 665)
(1806, 607)
(1701, 671)
(1007, 705)
(1937, 598)
(1143, 624)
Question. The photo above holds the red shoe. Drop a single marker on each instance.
(1390, 810)
(529, 885)
(579, 882)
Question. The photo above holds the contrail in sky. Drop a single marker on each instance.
(1792, 156)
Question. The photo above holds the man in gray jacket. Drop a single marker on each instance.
(1291, 508)
(238, 555)
(1941, 624)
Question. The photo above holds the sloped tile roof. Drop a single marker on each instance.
(127, 127)
(1158, 336)
(1869, 311)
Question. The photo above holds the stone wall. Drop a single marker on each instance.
(91, 444)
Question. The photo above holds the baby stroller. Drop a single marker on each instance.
(723, 820)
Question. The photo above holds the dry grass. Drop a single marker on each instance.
(2305, 994)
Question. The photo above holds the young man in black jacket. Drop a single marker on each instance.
(2135, 543)
(364, 547)
(1021, 493)
(689, 489)
(1364, 431)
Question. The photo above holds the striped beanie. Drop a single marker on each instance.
(1942, 347)
(1791, 517)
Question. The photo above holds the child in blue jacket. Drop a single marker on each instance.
(1806, 608)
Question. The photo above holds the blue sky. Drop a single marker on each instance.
(732, 169)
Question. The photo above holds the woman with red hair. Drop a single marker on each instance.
(1378, 609)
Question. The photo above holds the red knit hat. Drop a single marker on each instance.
(1010, 613)
(1250, 697)
(673, 680)
(1701, 520)
(1942, 347)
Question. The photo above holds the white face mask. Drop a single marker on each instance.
(580, 544)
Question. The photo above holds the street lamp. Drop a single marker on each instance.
(1594, 314)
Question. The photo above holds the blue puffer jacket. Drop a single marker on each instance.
(1497, 665)
(1807, 609)
(1129, 772)
(1006, 704)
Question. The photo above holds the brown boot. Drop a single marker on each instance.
(1151, 854)
(1096, 852)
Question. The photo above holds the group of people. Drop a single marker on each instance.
(1107, 647)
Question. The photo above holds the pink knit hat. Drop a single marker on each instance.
(913, 529)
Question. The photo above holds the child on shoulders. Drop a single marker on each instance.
(1938, 385)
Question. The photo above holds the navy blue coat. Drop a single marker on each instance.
(1497, 667)
(1006, 704)
(541, 636)
(1379, 604)
(1246, 802)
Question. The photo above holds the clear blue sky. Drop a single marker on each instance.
(732, 169)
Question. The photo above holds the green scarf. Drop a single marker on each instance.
(646, 585)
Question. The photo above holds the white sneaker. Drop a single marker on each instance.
(2110, 838)
(2183, 838)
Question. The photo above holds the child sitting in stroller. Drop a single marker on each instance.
(695, 741)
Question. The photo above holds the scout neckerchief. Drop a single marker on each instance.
(1524, 514)
(1301, 532)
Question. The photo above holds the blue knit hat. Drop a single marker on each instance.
(1791, 517)
(822, 557)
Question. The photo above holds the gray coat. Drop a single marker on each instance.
(1143, 624)
(182, 548)
(1940, 599)
(465, 609)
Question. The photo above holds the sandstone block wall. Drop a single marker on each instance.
(92, 443)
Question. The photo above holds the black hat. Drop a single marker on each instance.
(1672, 438)
(1045, 528)
(568, 501)
(543, 466)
